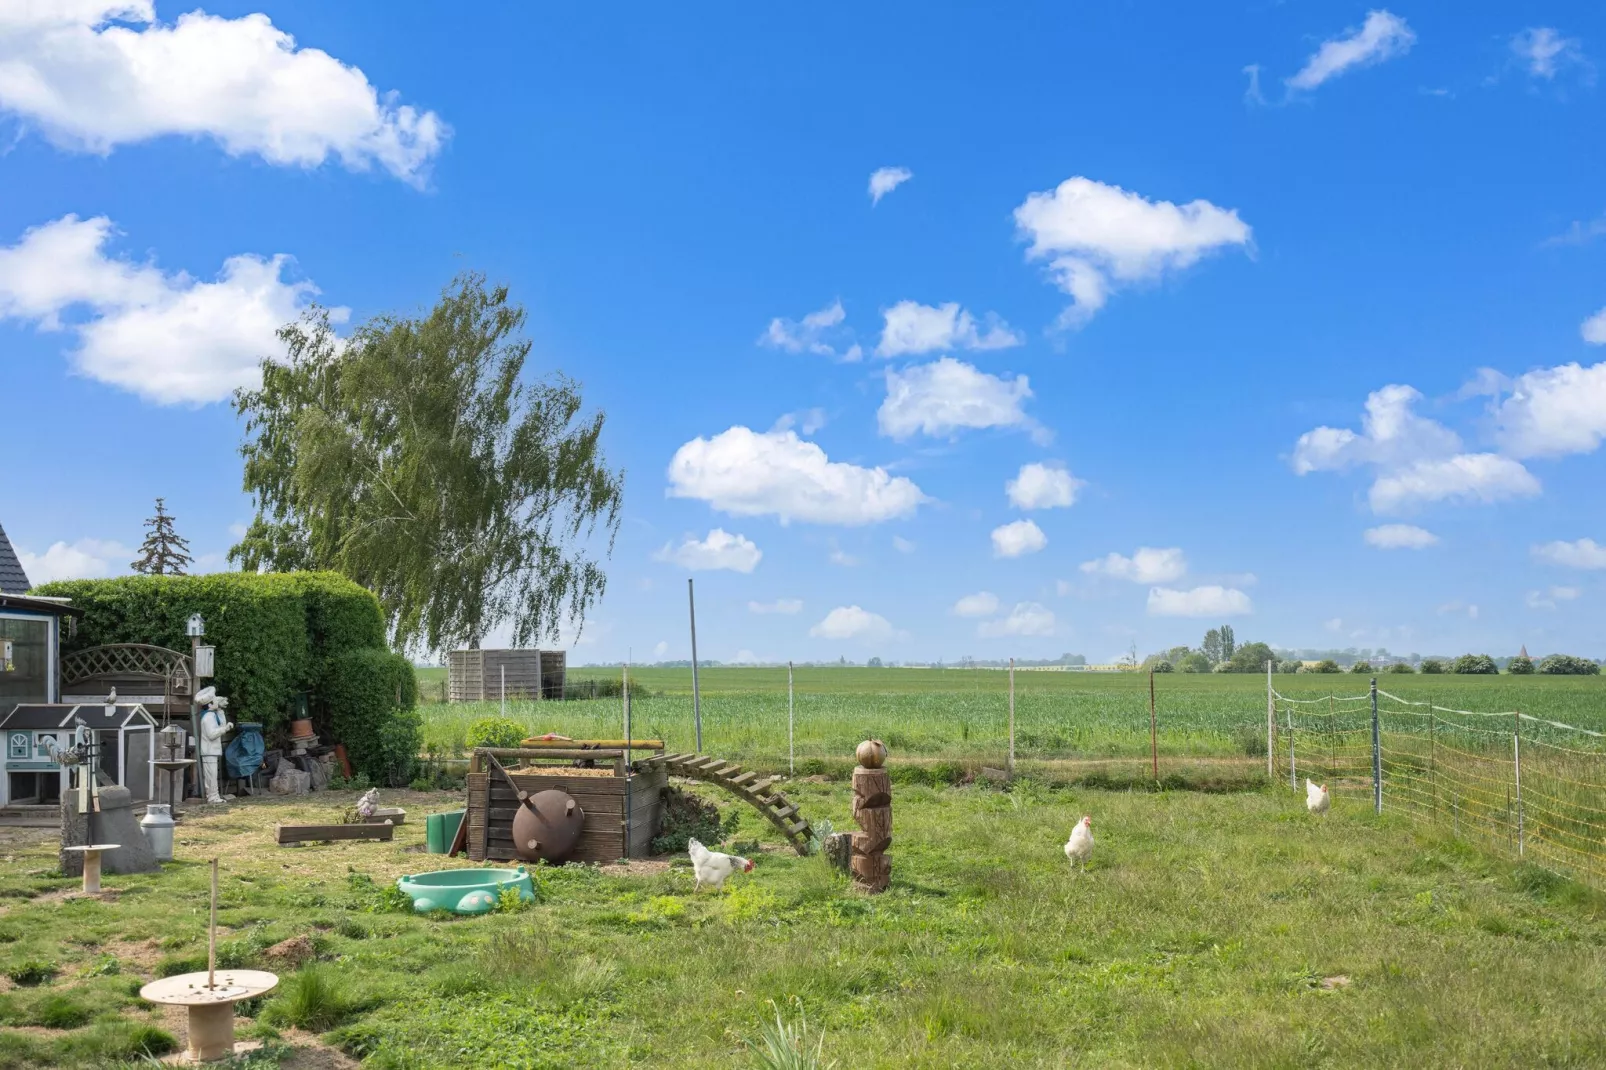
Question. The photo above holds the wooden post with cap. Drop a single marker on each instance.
(872, 809)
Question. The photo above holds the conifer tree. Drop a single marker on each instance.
(164, 552)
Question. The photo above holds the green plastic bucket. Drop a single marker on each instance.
(440, 830)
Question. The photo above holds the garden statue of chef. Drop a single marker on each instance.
(213, 727)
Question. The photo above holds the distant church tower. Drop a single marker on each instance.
(1524, 651)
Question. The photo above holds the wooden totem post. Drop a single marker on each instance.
(872, 809)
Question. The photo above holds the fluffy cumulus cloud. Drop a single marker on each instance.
(1417, 460)
(910, 327)
(166, 336)
(787, 606)
(822, 332)
(749, 473)
(1027, 618)
(720, 550)
(1146, 565)
(1042, 486)
(852, 622)
(1544, 52)
(980, 604)
(1383, 36)
(1593, 329)
(1400, 537)
(1096, 238)
(883, 180)
(947, 396)
(86, 559)
(1585, 554)
(1209, 601)
(1553, 411)
(1018, 539)
(89, 83)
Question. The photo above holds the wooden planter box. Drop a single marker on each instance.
(622, 812)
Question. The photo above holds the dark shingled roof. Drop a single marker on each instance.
(12, 579)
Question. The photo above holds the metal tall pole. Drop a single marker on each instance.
(791, 759)
(1271, 727)
(1377, 754)
(1154, 743)
(1011, 769)
(696, 696)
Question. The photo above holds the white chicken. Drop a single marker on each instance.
(1079, 848)
(712, 868)
(1316, 798)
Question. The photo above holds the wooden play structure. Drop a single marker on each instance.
(619, 800)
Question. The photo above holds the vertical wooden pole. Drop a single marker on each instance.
(1293, 778)
(872, 810)
(627, 715)
(696, 696)
(1271, 726)
(791, 757)
(1154, 742)
(211, 937)
(503, 699)
(1516, 762)
(1010, 766)
(1377, 754)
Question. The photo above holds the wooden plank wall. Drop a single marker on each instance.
(553, 673)
(608, 833)
(476, 675)
(521, 669)
(465, 676)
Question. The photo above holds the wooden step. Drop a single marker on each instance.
(729, 771)
(763, 785)
(744, 779)
(785, 811)
(798, 829)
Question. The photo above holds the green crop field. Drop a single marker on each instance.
(964, 714)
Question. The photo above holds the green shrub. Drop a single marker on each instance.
(369, 696)
(1568, 665)
(1163, 666)
(686, 817)
(1400, 668)
(495, 732)
(1520, 665)
(1475, 665)
(1195, 662)
(1431, 666)
(1289, 667)
(30, 972)
(1361, 668)
(1327, 665)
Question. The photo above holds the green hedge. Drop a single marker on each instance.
(275, 634)
(369, 697)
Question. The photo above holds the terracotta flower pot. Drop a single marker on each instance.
(300, 729)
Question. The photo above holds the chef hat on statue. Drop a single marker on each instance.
(206, 696)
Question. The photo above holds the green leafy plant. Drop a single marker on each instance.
(783, 1045)
(1568, 665)
(1400, 668)
(315, 998)
(371, 695)
(1432, 667)
(30, 972)
(1475, 665)
(686, 817)
(1325, 665)
(1521, 665)
(495, 732)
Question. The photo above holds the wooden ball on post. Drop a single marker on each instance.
(872, 809)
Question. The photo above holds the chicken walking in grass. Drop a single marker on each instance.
(1317, 800)
(712, 868)
(1079, 848)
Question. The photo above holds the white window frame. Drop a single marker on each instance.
(52, 654)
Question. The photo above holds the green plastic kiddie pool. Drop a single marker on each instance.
(464, 891)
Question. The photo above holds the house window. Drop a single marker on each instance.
(29, 678)
(18, 747)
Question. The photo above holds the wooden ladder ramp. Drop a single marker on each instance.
(752, 788)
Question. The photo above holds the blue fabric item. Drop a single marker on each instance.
(243, 755)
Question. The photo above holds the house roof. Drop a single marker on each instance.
(56, 607)
(12, 579)
(65, 715)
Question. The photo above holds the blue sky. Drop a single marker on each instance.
(1152, 265)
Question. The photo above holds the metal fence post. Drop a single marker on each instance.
(1293, 777)
(1011, 767)
(1377, 754)
(1516, 762)
(1271, 726)
(791, 757)
(696, 695)
(1154, 742)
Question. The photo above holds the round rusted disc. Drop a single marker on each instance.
(547, 827)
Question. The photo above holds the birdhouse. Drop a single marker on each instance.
(43, 740)
(196, 627)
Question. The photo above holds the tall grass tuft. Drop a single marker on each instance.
(784, 1046)
(316, 999)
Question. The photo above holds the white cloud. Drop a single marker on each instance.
(1018, 539)
(1336, 624)
(1041, 486)
(1469, 477)
(1459, 609)
(980, 604)
(1418, 458)
(1383, 36)
(911, 327)
(947, 396)
(243, 83)
(1548, 599)
(838, 556)
(883, 180)
(1553, 411)
(1585, 553)
(169, 338)
(1400, 537)
(747, 473)
(821, 332)
(1096, 237)
(902, 545)
(1593, 330)
(86, 559)
(787, 606)
(660, 650)
(721, 550)
(851, 622)
(1146, 565)
(807, 421)
(1027, 618)
(1545, 53)
(1210, 601)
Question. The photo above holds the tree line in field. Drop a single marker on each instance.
(1220, 652)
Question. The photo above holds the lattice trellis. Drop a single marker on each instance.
(128, 659)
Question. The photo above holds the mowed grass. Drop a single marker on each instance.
(964, 714)
(1210, 930)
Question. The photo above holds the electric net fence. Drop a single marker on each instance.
(1520, 785)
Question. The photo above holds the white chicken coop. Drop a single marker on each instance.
(37, 734)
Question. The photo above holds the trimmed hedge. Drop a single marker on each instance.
(276, 635)
(369, 696)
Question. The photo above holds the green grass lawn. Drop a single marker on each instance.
(1210, 930)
